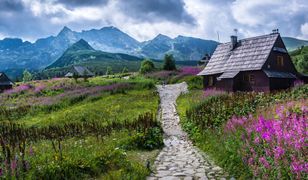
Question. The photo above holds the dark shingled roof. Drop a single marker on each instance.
(4, 80)
(276, 74)
(249, 54)
(79, 71)
(229, 74)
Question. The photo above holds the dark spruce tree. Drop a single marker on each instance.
(169, 63)
(125, 70)
(109, 71)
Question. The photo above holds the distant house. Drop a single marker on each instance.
(205, 60)
(254, 64)
(5, 82)
(79, 71)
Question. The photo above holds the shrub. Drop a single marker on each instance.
(146, 66)
(149, 140)
(27, 76)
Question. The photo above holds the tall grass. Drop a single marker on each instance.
(204, 120)
(84, 132)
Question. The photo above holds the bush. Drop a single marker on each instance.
(147, 66)
(149, 140)
(27, 76)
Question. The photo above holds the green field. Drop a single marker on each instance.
(104, 128)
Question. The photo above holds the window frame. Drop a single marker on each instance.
(211, 81)
(252, 79)
(280, 61)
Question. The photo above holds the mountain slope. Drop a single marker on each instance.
(110, 39)
(182, 48)
(293, 43)
(157, 47)
(82, 53)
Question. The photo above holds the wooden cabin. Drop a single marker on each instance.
(79, 72)
(5, 82)
(254, 64)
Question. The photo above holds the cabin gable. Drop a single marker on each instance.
(5, 82)
(279, 59)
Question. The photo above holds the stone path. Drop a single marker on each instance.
(179, 159)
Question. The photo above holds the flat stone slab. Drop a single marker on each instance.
(179, 159)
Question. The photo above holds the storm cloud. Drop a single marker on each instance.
(79, 3)
(144, 19)
(11, 5)
(157, 10)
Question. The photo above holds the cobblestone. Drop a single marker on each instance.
(179, 159)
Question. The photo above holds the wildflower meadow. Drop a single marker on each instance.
(250, 134)
(63, 129)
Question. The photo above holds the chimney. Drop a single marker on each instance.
(233, 42)
(275, 31)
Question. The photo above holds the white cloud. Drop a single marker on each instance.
(304, 30)
(260, 16)
(2, 36)
(253, 17)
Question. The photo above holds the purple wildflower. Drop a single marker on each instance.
(213, 92)
(264, 162)
(31, 152)
(189, 71)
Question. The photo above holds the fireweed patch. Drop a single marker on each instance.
(274, 147)
(225, 127)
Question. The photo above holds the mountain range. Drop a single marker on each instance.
(81, 53)
(16, 54)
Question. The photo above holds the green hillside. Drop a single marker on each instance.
(300, 59)
(293, 43)
(82, 52)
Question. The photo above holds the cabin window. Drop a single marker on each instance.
(251, 79)
(246, 77)
(211, 81)
(280, 60)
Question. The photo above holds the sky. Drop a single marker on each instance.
(145, 19)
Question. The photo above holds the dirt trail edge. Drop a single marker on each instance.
(179, 159)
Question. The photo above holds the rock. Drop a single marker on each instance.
(179, 174)
(162, 173)
(200, 175)
(190, 171)
(211, 174)
(168, 178)
(216, 168)
(188, 178)
(203, 178)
